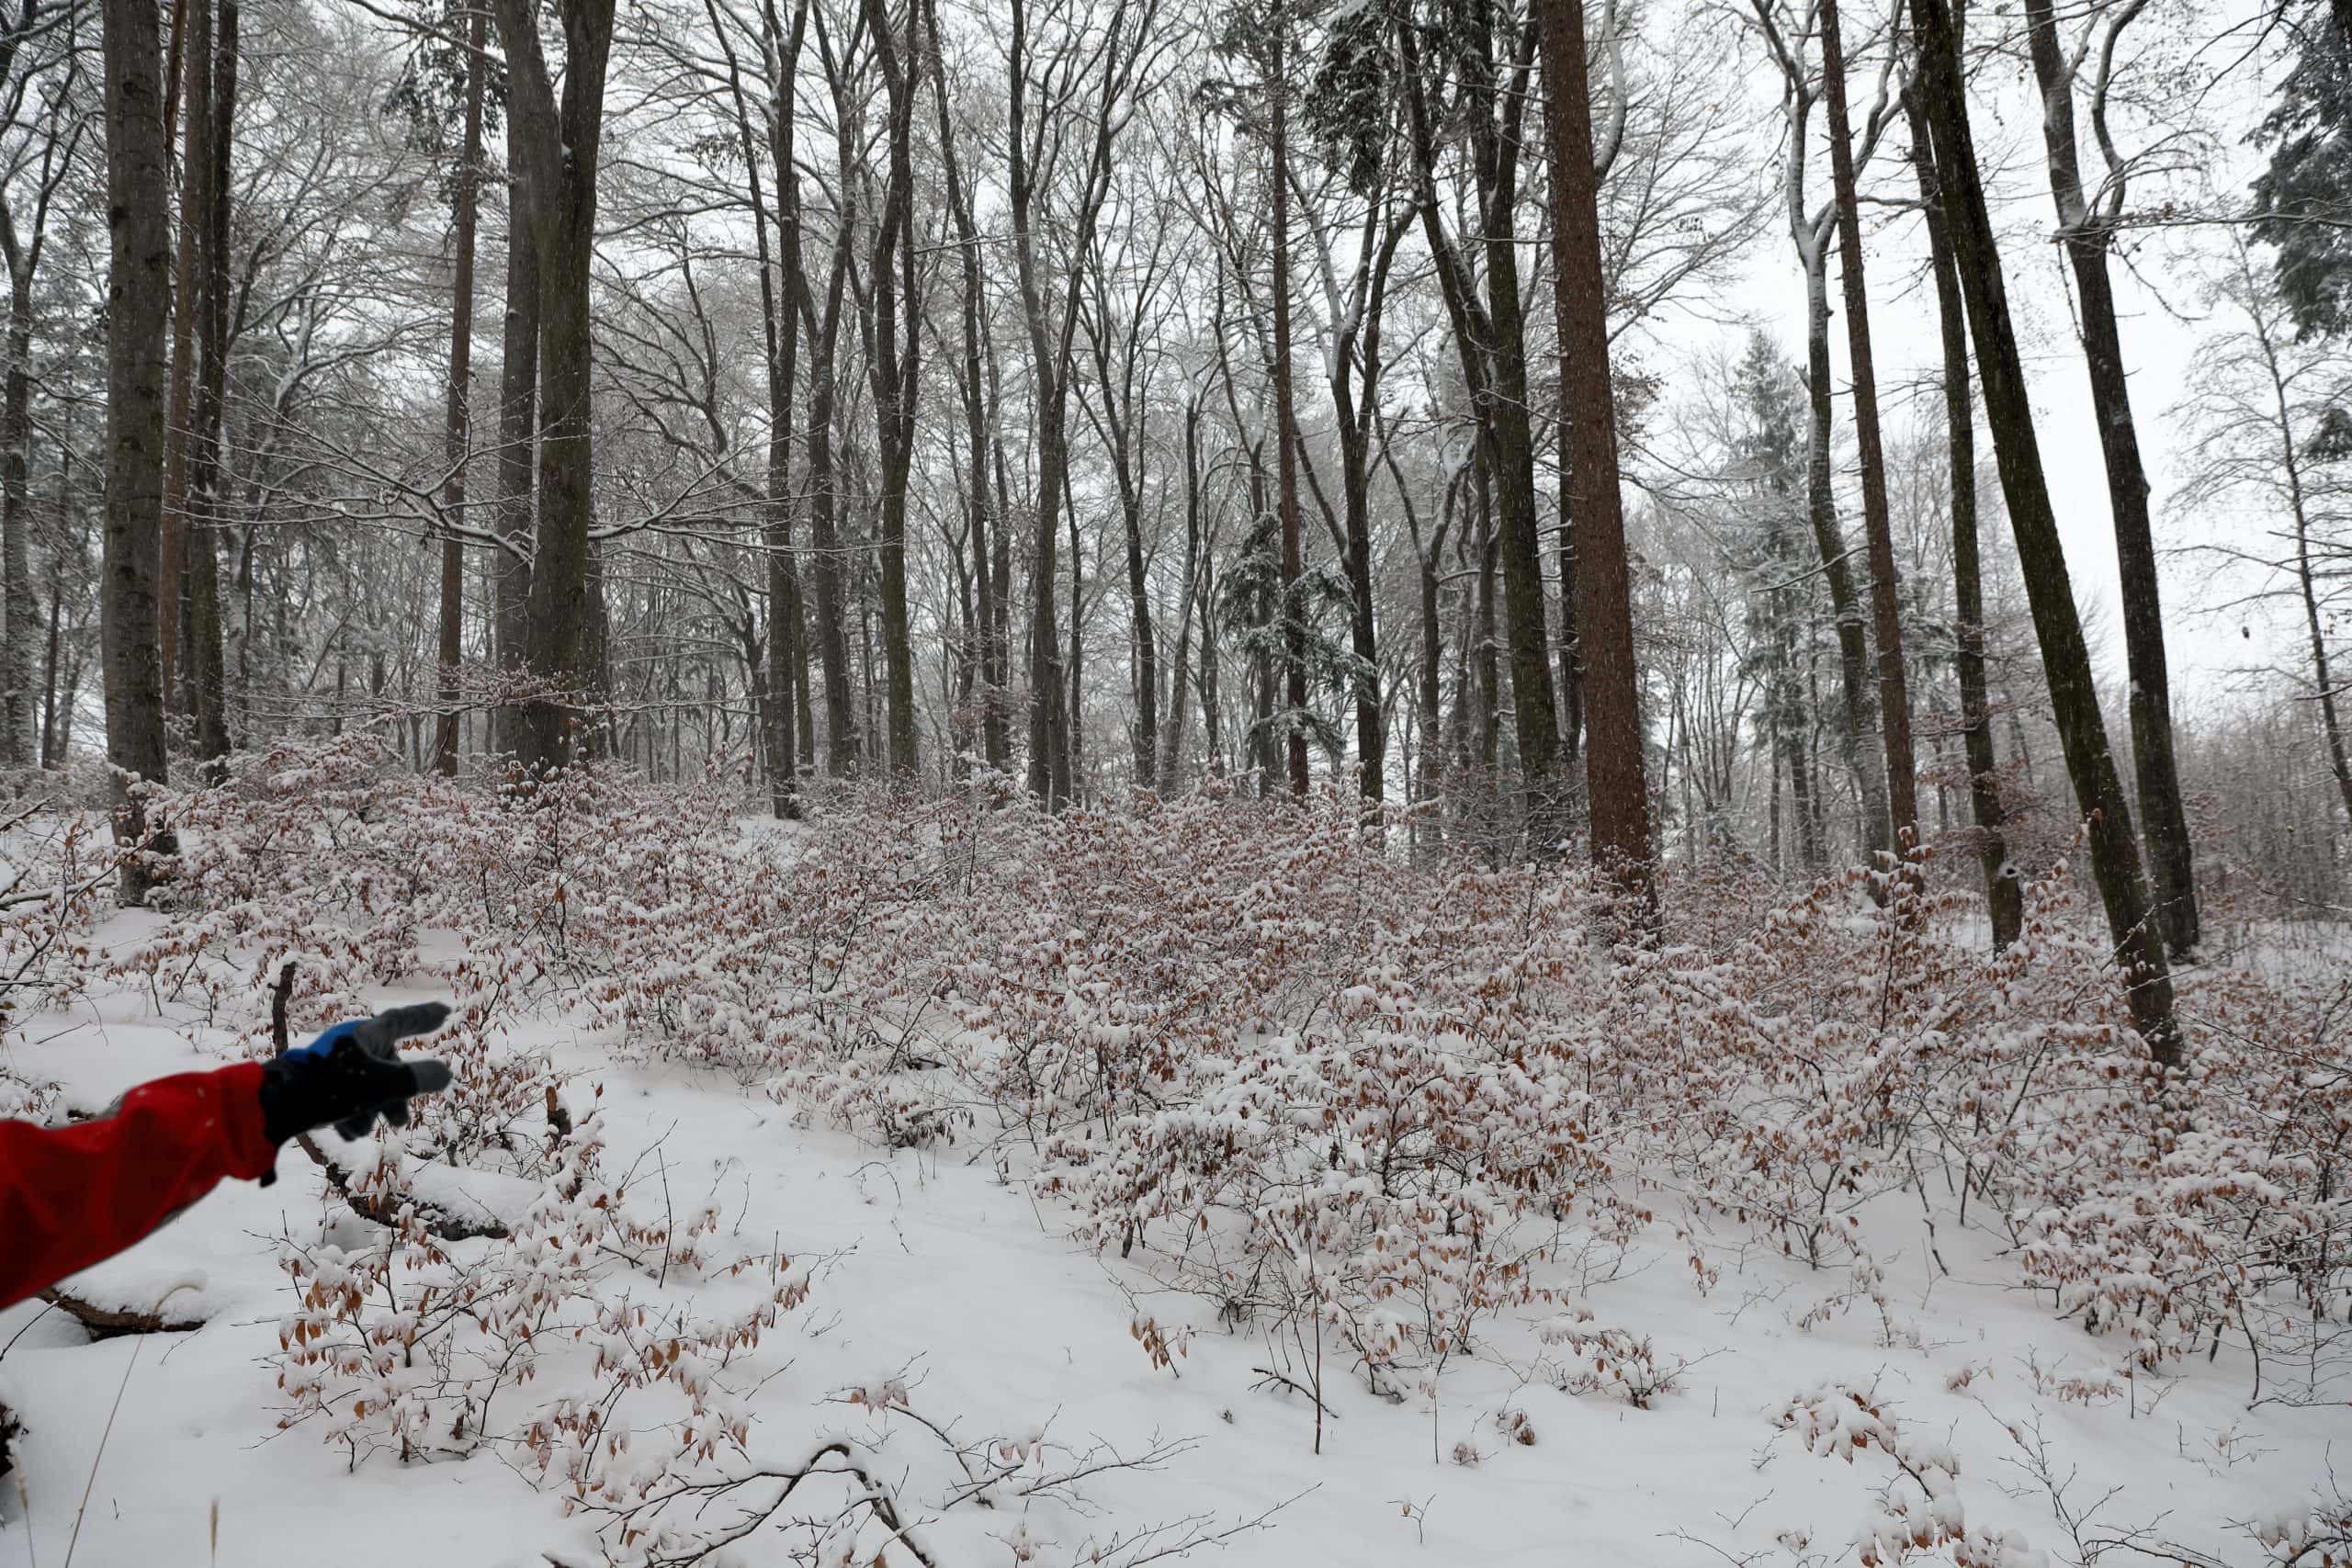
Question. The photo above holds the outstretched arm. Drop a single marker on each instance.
(73, 1195)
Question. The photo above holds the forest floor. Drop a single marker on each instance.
(940, 1273)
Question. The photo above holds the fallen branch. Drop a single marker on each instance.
(642, 1517)
(112, 1322)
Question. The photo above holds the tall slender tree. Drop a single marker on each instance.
(458, 419)
(895, 360)
(1894, 690)
(559, 139)
(2087, 226)
(1489, 77)
(2066, 656)
(1615, 777)
(210, 191)
(1786, 36)
(1278, 25)
(26, 209)
(138, 302)
(2004, 889)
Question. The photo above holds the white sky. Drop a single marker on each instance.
(2159, 340)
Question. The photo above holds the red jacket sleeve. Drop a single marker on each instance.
(73, 1195)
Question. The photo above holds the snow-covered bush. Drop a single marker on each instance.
(586, 1342)
(1345, 1096)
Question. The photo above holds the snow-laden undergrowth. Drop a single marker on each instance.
(1402, 1132)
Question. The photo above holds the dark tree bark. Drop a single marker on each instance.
(518, 444)
(1490, 336)
(1286, 415)
(972, 390)
(1171, 738)
(188, 93)
(2004, 890)
(458, 415)
(1048, 722)
(138, 297)
(1894, 689)
(2065, 657)
(780, 325)
(1353, 368)
(558, 140)
(1615, 778)
(828, 562)
(1120, 383)
(1052, 326)
(23, 236)
(894, 364)
(18, 708)
(209, 190)
(2085, 233)
(1809, 232)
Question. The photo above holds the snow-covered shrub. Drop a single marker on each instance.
(585, 1343)
(1334, 1089)
(1836, 1421)
(1585, 1359)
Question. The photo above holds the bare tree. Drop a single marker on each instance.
(138, 301)
(2268, 412)
(461, 400)
(1894, 697)
(2004, 890)
(40, 76)
(209, 192)
(2087, 226)
(1491, 76)
(2073, 695)
(554, 145)
(1786, 33)
(1613, 762)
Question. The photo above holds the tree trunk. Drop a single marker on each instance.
(1293, 611)
(824, 514)
(210, 191)
(1491, 339)
(19, 709)
(2073, 695)
(1859, 715)
(138, 296)
(2290, 463)
(458, 415)
(787, 652)
(1614, 774)
(1171, 738)
(1049, 751)
(1354, 370)
(972, 389)
(2004, 891)
(186, 92)
(560, 141)
(1143, 641)
(2085, 236)
(1894, 692)
(895, 373)
(518, 430)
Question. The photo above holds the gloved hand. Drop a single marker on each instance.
(351, 1074)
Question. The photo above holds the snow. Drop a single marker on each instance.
(942, 1275)
(789, 1250)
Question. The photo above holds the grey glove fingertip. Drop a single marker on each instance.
(416, 1018)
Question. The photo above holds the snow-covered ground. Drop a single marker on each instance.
(941, 1273)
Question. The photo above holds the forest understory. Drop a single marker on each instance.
(937, 1180)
